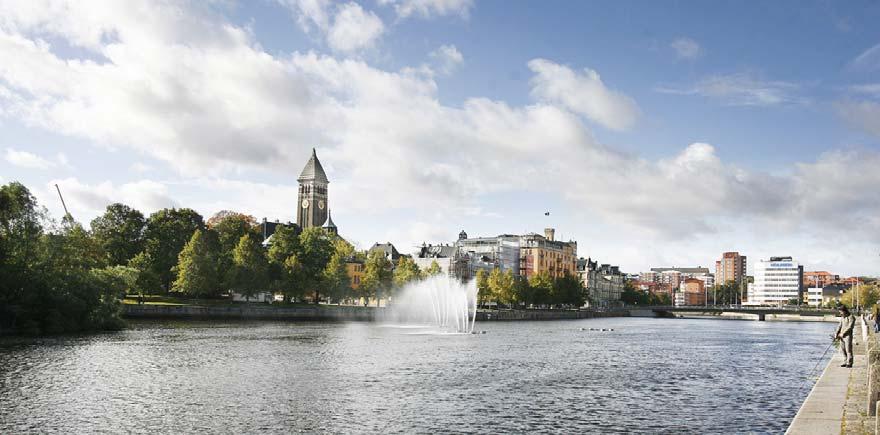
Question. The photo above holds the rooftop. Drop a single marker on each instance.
(313, 171)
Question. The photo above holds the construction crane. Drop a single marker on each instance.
(66, 213)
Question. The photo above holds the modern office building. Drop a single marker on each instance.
(777, 281)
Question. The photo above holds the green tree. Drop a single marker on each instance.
(230, 227)
(727, 293)
(120, 280)
(406, 271)
(633, 296)
(484, 292)
(315, 252)
(868, 295)
(568, 290)
(197, 273)
(47, 284)
(120, 232)
(433, 269)
(250, 267)
(542, 286)
(523, 293)
(377, 277)
(661, 299)
(146, 282)
(167, 231)
(502, 286)
(72, 249)
(338, 283)
(284, 264)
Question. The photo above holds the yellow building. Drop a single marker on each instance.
(355, 270)
(544, 254)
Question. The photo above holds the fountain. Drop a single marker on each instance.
(440, 302)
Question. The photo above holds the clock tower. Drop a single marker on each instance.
(312, 204)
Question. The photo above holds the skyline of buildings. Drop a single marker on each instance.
(775, 281)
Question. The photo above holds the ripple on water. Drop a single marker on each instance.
(692, 376)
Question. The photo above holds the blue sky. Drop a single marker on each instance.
(656, 133)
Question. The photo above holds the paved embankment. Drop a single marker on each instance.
(837, 403)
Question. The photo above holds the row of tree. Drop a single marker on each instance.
(540, 290)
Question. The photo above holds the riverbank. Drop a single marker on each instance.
(838, 402)
(339, 313)
(769, 317)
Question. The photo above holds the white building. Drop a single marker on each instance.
(777, 281)
(814, 296)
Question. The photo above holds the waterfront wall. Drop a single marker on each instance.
(504, 315)
(252, 311)
(333, 313)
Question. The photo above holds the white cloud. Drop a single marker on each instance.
(741, 90)
(430, 8)
(862, 114)
(347, 27)
(447, 58)
(583, 93)
(868, 59)
(86, 201)
(188, 88)
(140, 167)
(354, 29)
(870, 89)
(24, 159)
(310, 13)
(686, 48)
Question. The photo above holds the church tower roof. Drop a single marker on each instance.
(313, 170)
(329, 223)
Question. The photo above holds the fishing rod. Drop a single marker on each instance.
(813, 371)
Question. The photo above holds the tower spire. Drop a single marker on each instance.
(313, 170)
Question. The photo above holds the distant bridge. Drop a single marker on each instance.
(760, 312)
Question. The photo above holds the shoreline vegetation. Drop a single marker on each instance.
(61, 277)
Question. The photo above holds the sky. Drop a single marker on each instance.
(655, 133)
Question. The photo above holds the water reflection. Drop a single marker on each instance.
(647, 376)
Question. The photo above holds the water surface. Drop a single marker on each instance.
(648, 375)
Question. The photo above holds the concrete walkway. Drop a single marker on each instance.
(835, 404)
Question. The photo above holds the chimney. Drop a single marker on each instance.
(549, 233)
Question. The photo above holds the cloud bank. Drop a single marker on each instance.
(180, 83)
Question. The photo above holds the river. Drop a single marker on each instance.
(647, 375)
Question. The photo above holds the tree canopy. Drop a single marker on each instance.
(167, 231)
(377, 277)
(250, 268)
(197, 273)
(52, 281)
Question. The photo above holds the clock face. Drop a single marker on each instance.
(321, 204)
(305, 203)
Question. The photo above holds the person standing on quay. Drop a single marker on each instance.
(845, 334)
